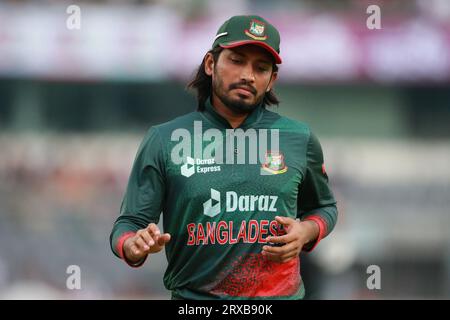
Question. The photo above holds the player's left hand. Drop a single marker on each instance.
(298, 233)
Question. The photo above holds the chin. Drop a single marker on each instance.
(245, 99)
(245, 107)
(244, 103)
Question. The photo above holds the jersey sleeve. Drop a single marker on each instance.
(143, 200)
(315, 199)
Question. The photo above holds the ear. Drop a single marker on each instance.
(272, 81)
(209, 64)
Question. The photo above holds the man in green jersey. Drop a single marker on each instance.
(242, 189)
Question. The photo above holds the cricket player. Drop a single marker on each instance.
(242, 190)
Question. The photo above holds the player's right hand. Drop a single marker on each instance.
(145, 241)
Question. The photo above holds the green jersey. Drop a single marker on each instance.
(219, 190)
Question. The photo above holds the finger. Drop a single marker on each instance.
(134, 250)
(274, 250)
(280, 258)
(290, 247)
(286, 221)
(281, 250)
(153, 230)
(289, 256)
(145, 235)
(142, 246)
(281, 239)
(163, 239)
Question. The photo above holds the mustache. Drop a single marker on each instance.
(243, 86)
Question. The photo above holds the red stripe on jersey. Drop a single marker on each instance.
(322, 229)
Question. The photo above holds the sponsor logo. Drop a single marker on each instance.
(201, 166)
(212, 207)
(230, 232)
(239, 203)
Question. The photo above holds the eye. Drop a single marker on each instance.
(263, 69)
(236, 61)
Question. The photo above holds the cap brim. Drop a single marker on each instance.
(257, 43)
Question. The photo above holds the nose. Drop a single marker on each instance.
(247, 74)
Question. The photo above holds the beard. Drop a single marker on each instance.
(239, 105)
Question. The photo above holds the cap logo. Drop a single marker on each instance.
(256, 30)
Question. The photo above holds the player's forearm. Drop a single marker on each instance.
(325, 217)
(135, 246)
(124, 227)
(131, 257)
(310, 231)
(120, 232)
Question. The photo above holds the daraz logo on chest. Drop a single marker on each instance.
(243, 203)
(198, 166)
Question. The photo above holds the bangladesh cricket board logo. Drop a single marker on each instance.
(256, 30)
(274, 164)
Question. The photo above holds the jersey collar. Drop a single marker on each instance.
(212, 115)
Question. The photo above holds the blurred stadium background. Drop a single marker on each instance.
(74, 105)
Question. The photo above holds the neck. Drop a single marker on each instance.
(233, 118)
